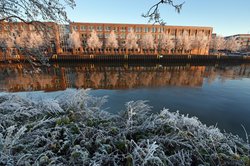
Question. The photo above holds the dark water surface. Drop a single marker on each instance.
(215, 93)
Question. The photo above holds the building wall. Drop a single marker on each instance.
(60, 33)
(244, 40)
(121, 30)
(16, 28)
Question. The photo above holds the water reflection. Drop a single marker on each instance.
(19, 77)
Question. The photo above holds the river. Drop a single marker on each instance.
(218, 94)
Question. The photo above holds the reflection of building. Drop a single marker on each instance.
(103, 30)
(243, 39)
(14, 77)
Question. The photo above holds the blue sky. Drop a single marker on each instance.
(227, 17)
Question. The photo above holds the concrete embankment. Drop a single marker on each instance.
(133, 58)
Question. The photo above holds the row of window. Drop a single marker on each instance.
(123, 35)
(136, 29)
(22, 27)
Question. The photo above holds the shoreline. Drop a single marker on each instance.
(134, 58)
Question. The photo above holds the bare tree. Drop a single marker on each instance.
(94, 41)
(112, 41)
(153, 14)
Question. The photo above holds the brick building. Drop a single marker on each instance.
(244, 40)
(11, 30)
(59, 35)
(103, 30)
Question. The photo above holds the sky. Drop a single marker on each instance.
(227, 17)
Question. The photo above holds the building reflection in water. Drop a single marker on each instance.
(15, 78)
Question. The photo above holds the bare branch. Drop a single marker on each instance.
(153, 14)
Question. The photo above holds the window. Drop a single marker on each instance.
(160, 36)
(107, 28)
(99, 28)
(106, 35)
(172, 33)
(123, 36)
(91, 28)
(6, 27)
(180, 32)
(161, 29)
(146, 29)
(154, 29)
(75, 28)
(83, 28)
(100, 35)
(123, 29)
(138, 29)
(115, 29)
(16, 27)
(130, 29)
(23, 27)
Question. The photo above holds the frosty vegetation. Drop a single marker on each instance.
(112, 41)
(73, 129)
(147, 41)
(93, 41)
(131, 40)
(74, 40)
(220, 43)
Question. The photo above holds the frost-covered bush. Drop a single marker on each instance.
(73, 129)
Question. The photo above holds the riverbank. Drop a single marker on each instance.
(73, 129)
(134, 58)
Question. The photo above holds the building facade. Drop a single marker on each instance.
(59, 36)
(243, 40)
(121, 30)
(9, 32)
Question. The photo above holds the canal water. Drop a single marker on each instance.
(218, 94)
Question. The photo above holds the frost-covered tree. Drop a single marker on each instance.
(186, 41)
(30, 40)
(30, 10)
(232, 44)
(35, 12)
(131, 40)
(74, 40)
(217, 43)
(93, 41)
(112, 41)
(178, 43)
(183, 42)
(166, 43)
(147, 41)
(200, 41)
